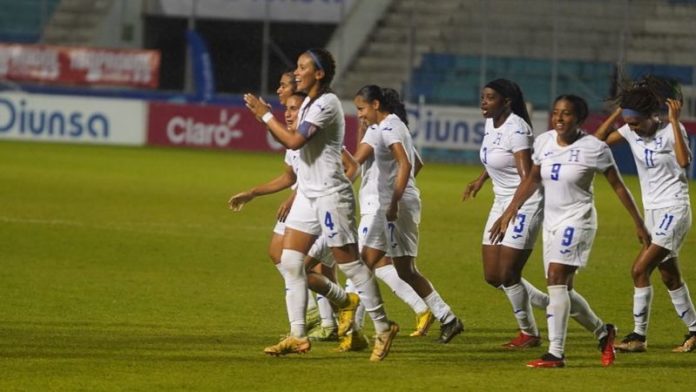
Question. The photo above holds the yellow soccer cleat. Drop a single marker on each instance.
(689, 344)
(346, 314)
(354, 341)
(423, 322)
(632, 343)
(289, 345)
(383, 342)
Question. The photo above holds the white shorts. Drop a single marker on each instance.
(279, 228)
(668, 227)
(332, 216)
(373, 231)
(522, 232)
(402, 234)
(320, 251)
(568, 245)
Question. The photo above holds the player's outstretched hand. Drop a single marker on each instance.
(257, 106)
(283, 210)
(471, 189)
(643, 235)
(237, 201)
(674, 109)
(497, 231)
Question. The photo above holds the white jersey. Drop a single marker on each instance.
(662, 182)
(391, 130)
(292, 159)
(369, 174)
(497, 155)
(321, 169)
(567, 173)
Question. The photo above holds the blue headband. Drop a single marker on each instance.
(315, 59)
(631, 113)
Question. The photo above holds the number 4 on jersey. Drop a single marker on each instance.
(328, 222)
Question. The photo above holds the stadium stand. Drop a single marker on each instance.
(443, 47)
(23, 21)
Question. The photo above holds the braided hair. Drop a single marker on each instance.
(510, 90)
(648, 95)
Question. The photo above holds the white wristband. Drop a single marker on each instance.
(267, 117)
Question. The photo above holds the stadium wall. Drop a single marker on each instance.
(448, 133)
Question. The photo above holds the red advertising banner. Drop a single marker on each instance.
(218, 127)
(78, 65)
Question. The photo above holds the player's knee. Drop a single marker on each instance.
(493, 279)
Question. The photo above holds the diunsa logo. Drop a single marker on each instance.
(186, 130)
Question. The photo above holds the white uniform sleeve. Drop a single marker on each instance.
(321, 113)
(521, 137)
(371, 137)
(390, 135)
(288, 158)
(605, 159)
(623, 131)
(538, 144)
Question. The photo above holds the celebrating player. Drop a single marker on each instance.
(324, 203)
(506, 153)
(390, 201)
(661, 154)
(565, 161)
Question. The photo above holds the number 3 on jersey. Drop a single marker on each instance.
(328, 222)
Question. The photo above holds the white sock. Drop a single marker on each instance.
(293, 270)
(336, 294)
(522, 308)
(581, 312)
(684, 306)
(440, 309)
(642, 298)
(557, 314)
(366, 286)
(402, 289)
(311, 302)
(325, 312)
(537, 298)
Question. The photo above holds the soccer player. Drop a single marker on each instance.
(506, 154)
(318, 260)
(565, 162)
(661, 153)
(390, 201)
(324, 203)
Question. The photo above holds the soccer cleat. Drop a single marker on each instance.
(323, 334)
(632, 343)
(313, 319)
(383, 342)
(289, 345)
(523, 341)
(346, 314)
(689, 344)
(450, 330)
(547, 360)
(606, 345)
(354, 341)
(423, 322)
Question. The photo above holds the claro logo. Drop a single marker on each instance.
(187, 130)
(45, 122)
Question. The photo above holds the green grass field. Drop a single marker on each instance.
(123, 269)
